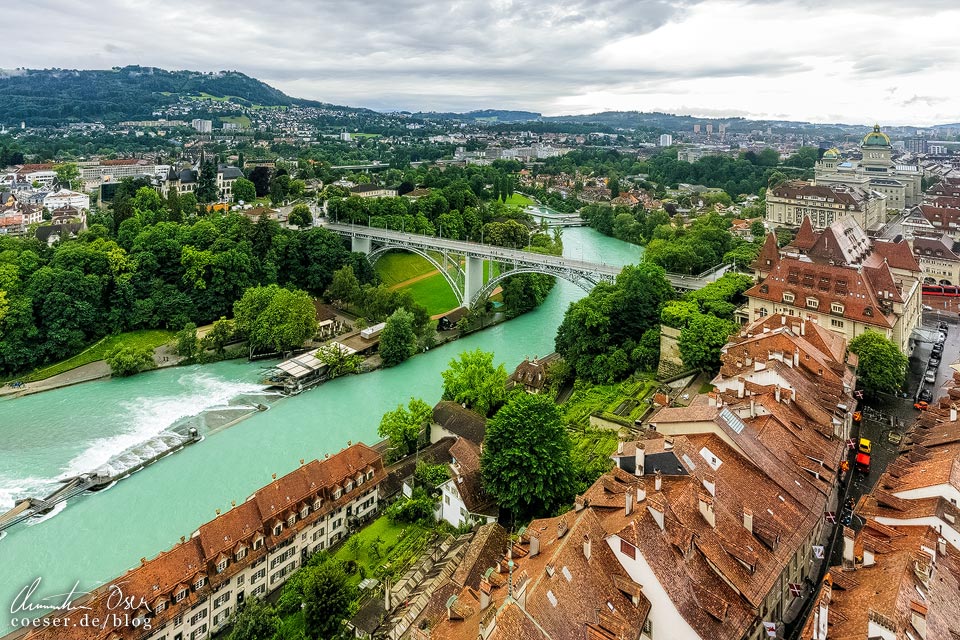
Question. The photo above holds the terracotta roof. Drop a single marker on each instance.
(460, 421)
(805, 238)
(769, 254)
(897, 254)
(465, 473)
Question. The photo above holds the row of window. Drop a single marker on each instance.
(813, 303)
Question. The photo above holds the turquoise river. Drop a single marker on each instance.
(94, 538)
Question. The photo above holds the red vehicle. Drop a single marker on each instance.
(948, 291)
(922, 405)
(863, 462)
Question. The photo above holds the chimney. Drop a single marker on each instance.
(796, 356)
(953, 413)
(706, 508)
(586, 546)
(628, 505)
(848, 537)
(484, 594)
(753, 407)
(942, 546)
(641, 491)
(748, 519)
(803, 327)
(710, 483)
(620, 446)
(534, 545)
(639, 459)
(777, 393)
(561, 528)
(657, 480)
(783, 320)
(386, 593)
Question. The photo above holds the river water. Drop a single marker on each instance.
(77, 429)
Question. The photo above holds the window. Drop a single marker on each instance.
(316, 504)
(349, 486)
(277, 529)
(240, 580)
(200, 615)
(788, 297)
(446, 498)
(337, 494)
(836, 307)
(222, 566)
(241, 554)
(837, 324)
(628, 550)
(813, 303)
(180, 595)
(199, 633)
(178, 621)
(222, 600)
(648, 628)
(160, 606)
(259, 591)
(257, 543)
(199, 583)
(304, 512)
(370, 475)
(259, 575)
(291, 520)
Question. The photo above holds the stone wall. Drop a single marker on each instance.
(670, 362)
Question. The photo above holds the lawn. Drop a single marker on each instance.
(398, 266)
(434, 293)
(243, 121)
(519, 200)
(622, 402)
(383, 548)
(151, 338)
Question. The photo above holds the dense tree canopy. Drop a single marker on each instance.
(472, 379)
(526, 463)
(403, 426)
(882, 366)
(275, 319)
(398, 340)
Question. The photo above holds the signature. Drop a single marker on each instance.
(116, 599)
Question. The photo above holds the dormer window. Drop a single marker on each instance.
(180, 595)
(789, 297)
(291, 520)
(316, 504)
(337, 494)
(764, 288)
(868, 312)
(199, 583)
(277, 529)
(813, 303)
(222, 566)
(159, 606)
(257, 543)
(836, 307)
(349, 487)
(241, 554)
(370, 474)
(304, 512)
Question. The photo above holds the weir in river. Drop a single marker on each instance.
(73, 430)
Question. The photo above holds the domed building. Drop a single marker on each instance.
(876, 171)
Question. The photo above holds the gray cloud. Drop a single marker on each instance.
(462, 54)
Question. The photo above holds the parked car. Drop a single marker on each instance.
(925, 395)
(934, 362)
(921, 406)
(937, 348)
(930, 376)
(944, 327)
(863, 462)
(941, 337)
(863, 446)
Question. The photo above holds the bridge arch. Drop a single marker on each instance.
(583, 281)
(379, 252)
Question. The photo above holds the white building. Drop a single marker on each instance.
(666, 140)
(202, 126)
(66, 198)
(463, 500)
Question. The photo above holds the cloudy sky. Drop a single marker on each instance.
(887, 61)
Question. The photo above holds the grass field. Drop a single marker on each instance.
(398, 266)
(383, 547)
(434, 293)
(243, 121)
(150, 338)
(518, 199)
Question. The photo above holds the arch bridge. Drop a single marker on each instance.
(462, 263)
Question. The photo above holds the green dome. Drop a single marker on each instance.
(831, 154)
(876, 138)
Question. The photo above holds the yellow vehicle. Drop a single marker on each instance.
(864, 446)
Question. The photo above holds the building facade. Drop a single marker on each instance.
(790, 202)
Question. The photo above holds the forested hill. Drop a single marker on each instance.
(52, 96)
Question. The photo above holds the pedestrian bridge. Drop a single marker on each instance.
(462, 263)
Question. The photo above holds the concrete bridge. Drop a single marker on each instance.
(462, 263)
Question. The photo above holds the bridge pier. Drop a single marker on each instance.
(473, 280)
(360, 245)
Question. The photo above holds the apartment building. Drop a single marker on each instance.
(249, 551)
(789, 203)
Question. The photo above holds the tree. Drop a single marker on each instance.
(701, 340)
(219, 336)
(397, 341)
(345, 288)
(188, 205)
(126, 360)
(403, 426)
(207, 190)
(68, 176)
(244, 190)
(300, 216)
(757, 230)
(472, 379)
(255, 620)
(326, 600)
(526, 463)
(431, 475)
(882, 366)
(188, 345)
(339, 362)
(274, 318)
(260, 177)
(279, 188)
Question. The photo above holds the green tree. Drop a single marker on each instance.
(431, 475)
(701, 340)
(882, 367)
(126, 360)
(474, 380)
(274, 318)
(757, 230)
(255, 620)
(68, 176)
(188, 204)
(327, 596)
(300, 216)
(397, 341)
(344, 288)
(339, 362)
(207, 183)
(526, 462)
(244, 190)
(219, 336)
(188, 345)
(403, 426)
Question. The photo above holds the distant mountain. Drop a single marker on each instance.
(483, 115)
(52, 96)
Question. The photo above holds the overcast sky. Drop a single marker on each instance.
(824, 61)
